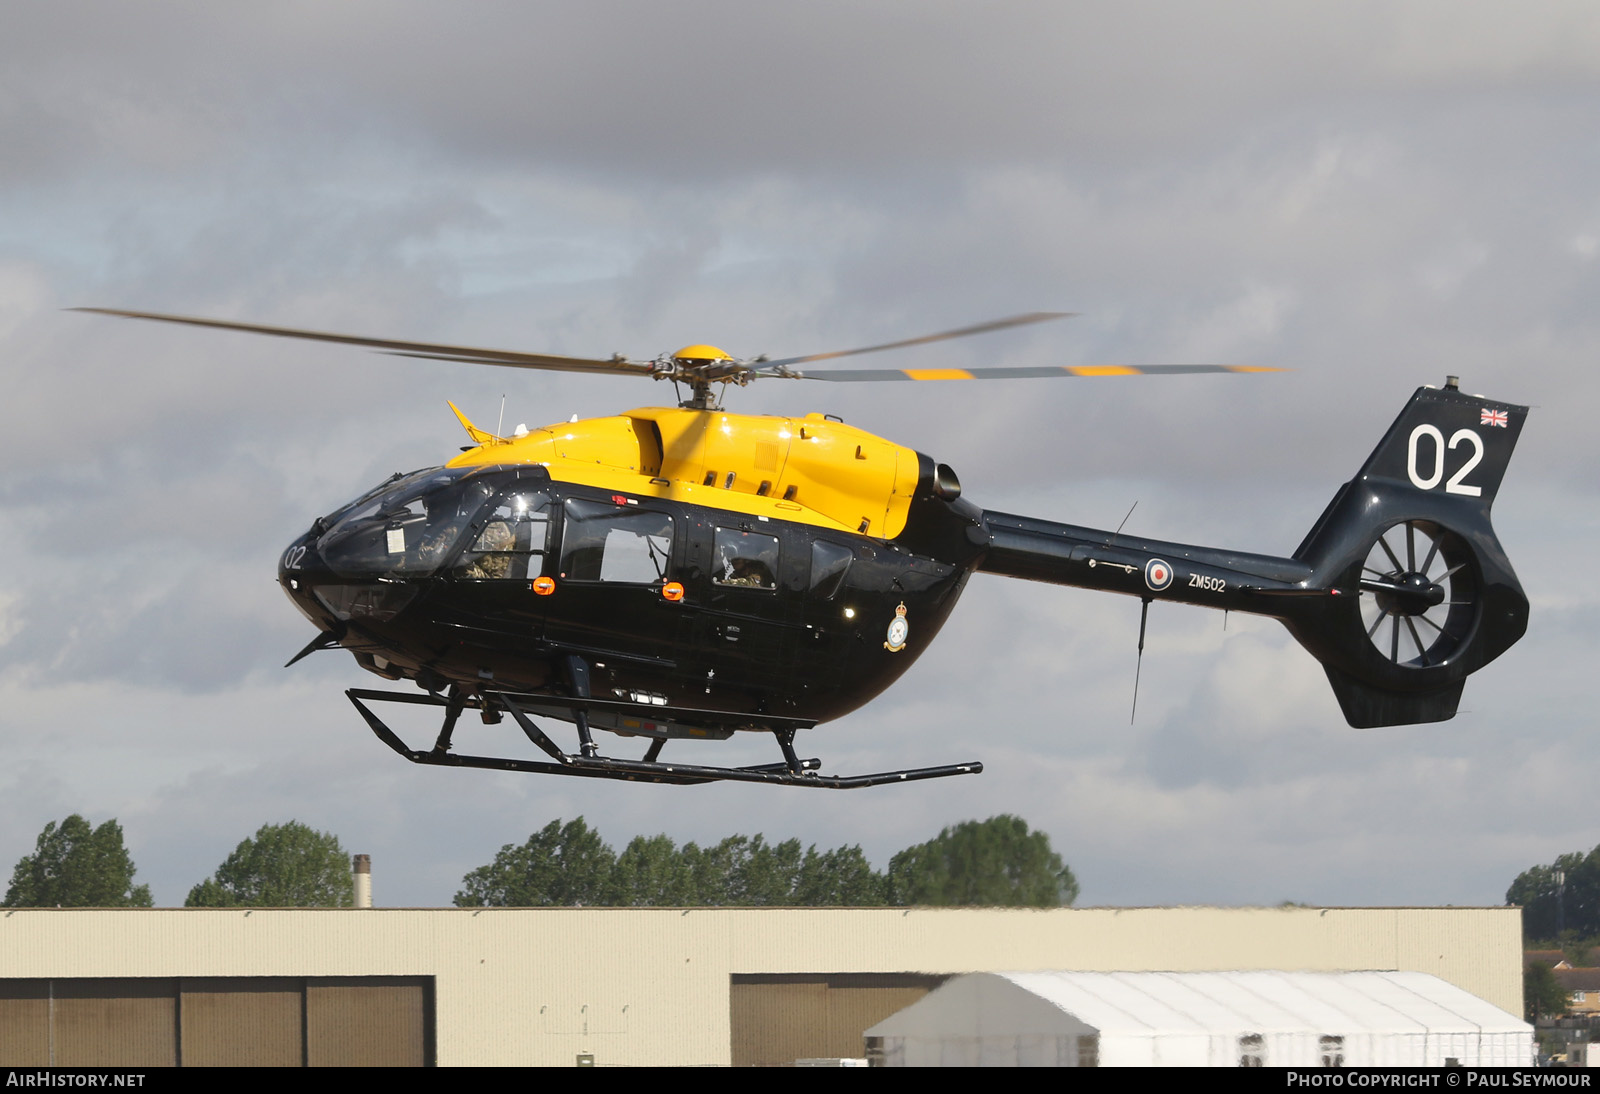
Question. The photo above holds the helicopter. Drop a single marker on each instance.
(687, 573)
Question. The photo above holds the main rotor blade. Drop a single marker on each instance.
(1027, 373)
(960, 332)
(430, 350)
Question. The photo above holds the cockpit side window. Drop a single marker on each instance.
(512, 541)
(747, 559)
(615, 543)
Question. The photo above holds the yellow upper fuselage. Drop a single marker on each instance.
(813, 469)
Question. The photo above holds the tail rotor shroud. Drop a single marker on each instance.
(1419, 594)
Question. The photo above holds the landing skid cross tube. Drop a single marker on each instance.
(792, 771)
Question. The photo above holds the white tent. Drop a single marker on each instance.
(1190, 1019)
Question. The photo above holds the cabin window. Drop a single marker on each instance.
(615, 543)
(746, 559)
(1252, 1050)
(511, 542)
(1331, 1048)
(829, 563)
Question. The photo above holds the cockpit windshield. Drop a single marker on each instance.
(407, 529)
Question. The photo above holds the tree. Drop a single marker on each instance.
(1542, 994)
(747, 871)
(995, 862)
(560, 866)
(76, 866)
(1561, 900)
(839, 878)
(652, 873)
(992, 863)
(281, 866)
(742, 871)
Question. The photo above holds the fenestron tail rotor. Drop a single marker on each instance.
(1419, 594)
(700, 366)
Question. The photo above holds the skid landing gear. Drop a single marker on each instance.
(793, 771)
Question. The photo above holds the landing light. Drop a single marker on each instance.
(849, 613)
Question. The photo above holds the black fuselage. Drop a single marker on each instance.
(498, 579)
(774, 617)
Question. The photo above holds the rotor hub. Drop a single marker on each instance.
(1410, 593)
(701, 354)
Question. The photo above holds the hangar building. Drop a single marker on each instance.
(641, 986)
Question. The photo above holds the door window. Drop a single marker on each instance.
(614, 543)
(829, 563)
(746, 559)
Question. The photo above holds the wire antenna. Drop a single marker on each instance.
(1131, 508)
(1144, 614)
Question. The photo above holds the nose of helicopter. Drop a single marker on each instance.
(300, 569)
(331, 598)
(368, 561)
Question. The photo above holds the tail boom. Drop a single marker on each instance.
(1401, 589)
(1065, 554)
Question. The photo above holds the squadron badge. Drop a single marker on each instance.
(899, 631)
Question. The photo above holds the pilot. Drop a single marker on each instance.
(496, 537)
(749, 572)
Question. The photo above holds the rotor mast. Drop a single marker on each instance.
(700, 366)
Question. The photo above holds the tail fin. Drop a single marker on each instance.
(1427, 595)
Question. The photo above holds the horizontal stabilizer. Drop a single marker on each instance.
(1367, 707)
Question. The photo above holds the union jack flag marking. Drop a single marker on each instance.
(1493, 417)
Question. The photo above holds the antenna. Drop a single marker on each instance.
(1144, 614)
(1131, 508)
(499, 427)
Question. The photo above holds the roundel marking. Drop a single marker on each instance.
(1157, 574)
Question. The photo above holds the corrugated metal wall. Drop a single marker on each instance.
(776, 1020)
(216, 1022)
(243, 1022)
(25, 1022)
(114, 1023)
(353, 1024)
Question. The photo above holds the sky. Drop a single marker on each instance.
(1368, 195)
